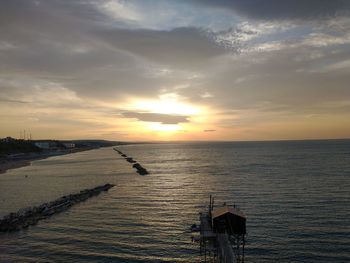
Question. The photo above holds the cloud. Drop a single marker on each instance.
(279, 81)
(256, 61)
(209, 130)
(286, 9)
(120, 10)
(12, 101)
(156, 117)
(177, 47)
(74, 44)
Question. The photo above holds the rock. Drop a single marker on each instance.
(30, 216)
(140, 169)
(130, 160)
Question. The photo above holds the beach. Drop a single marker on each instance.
(23, 160)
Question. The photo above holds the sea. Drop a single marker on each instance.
(295, 195)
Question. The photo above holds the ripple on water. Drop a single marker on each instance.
(295, 195)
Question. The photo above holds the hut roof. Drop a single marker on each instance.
(227, 209)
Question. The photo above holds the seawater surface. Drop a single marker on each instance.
(296, 195)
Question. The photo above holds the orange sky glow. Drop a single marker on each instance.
(134, 71)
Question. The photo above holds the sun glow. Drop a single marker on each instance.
(167, 104)
(168, 128)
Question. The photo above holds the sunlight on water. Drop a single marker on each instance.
(295, 195)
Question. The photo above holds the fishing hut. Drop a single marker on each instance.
(222, 234)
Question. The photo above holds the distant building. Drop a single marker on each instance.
(46, 145)
(7, 139)
(69, 145)
(42, 145)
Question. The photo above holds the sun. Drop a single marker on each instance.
(167, 104)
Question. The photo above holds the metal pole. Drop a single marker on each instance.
(243, 249)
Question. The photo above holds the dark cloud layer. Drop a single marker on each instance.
(86, 56)
(180, 46)
(73, 44)
(282, 9)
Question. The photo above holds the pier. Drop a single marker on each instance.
(222, 234)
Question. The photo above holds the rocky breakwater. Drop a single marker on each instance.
(130, 160)
(117, 150)
(139, 169)
(30, 216)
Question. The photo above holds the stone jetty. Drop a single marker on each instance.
(30, 216)
(139, 169)
(130, 160)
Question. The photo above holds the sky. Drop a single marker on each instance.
(165, 70)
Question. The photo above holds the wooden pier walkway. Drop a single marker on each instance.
(225, 250)
(222, 235)
(215, 247)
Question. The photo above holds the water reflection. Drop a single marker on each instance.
(295, 197)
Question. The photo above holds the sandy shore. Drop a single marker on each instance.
(25, 160)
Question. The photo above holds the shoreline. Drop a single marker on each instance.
(27, 159)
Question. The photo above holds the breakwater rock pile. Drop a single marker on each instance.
(130, 160)
(30, 216)
(139, 169)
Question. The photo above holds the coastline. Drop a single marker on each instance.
(26, 159)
